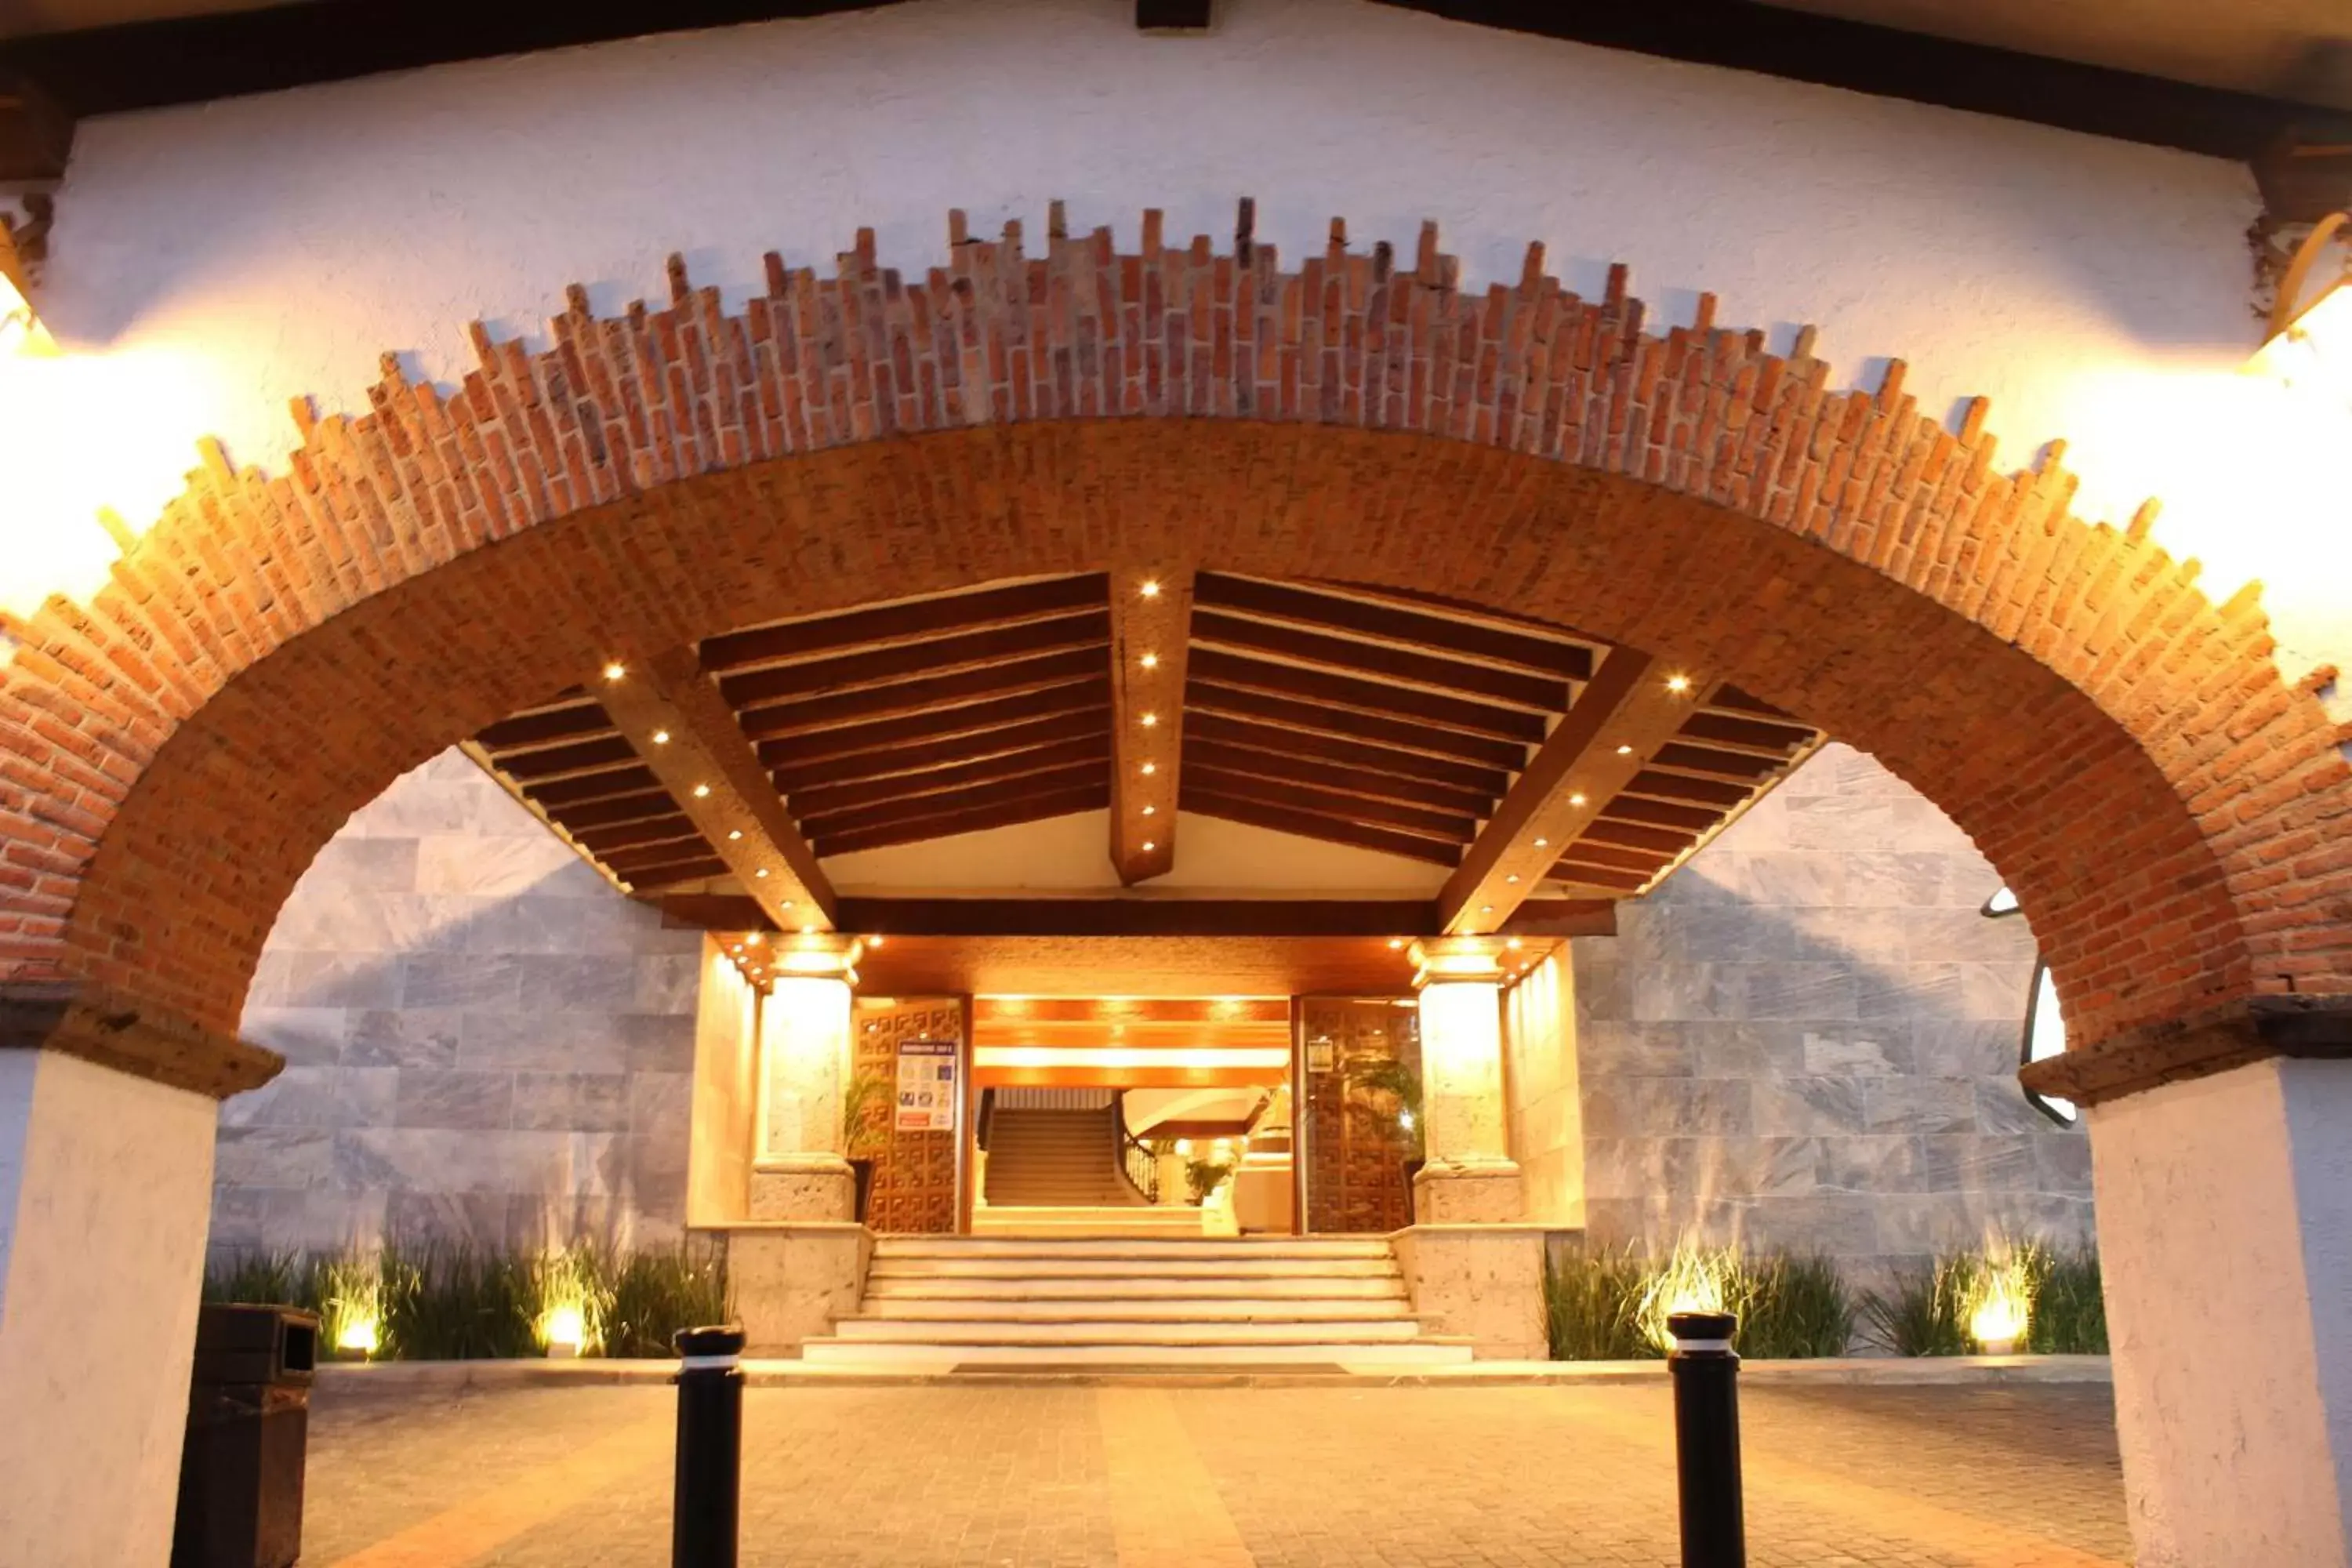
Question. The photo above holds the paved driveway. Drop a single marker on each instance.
(1207, 1477)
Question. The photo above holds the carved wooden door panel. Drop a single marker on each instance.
(914, 1190)
(1356, 1151)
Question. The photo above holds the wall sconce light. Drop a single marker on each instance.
(2310, 345)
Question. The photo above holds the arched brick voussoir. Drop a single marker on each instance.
(275, 649)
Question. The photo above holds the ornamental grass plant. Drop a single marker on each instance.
(1613, 1304)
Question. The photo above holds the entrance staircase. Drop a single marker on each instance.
(934, 1303)
(1056, 1159)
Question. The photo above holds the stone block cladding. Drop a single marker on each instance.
(484, 1040)
(1807, 1039)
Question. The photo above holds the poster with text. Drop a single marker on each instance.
(927, 1086)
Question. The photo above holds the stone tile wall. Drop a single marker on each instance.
(1808, 1038)
(484, 1040)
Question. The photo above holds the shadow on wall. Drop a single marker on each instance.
(485, 1041)
(1808, 1041)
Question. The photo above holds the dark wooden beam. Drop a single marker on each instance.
(794, 775)
(1349, 657)
(1093, 749)
(1683, 787)
(1270, 763)
(911, 622)
(37, 132)
(1031, 808)
(1413, 629)
(1412, 768)
(1889, 63)
(1627, 712)
(1384, 700)
(923, 696)
(548, 727)
(653, 878)
(606, 754)
(849, 822)
(1151, 609)
(642, 797)
(674, 716)
(1202, 696)
(192, 59)
(1453, 828)
(1172, 15)
(1400, 919)
(980, 650)
(1306, 825)
(1746, 735)
(597, 841)
(1737, 765)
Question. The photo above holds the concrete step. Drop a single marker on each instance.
(1132, 1268)
(1051, 1213)
(1138, 1354)
(1112, 1331)
(1196, 1292)
(1304, 1249)
(1138, 1309)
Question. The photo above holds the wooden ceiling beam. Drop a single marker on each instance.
(1748, 734)
(1405, 767)
(1629, 710)
(1267, 763)
(565, 793)
(630, 835)
(653, 878)
(675, 719)
(923, 781)
(1398, 919)
(605, 811)
(911, 622)
(1349, 657)
(1683, 787)
(1283, 819)
(1012, 791)
(1735, 765)
(890, 760)
(980, 650)
(609, 754)
(1151, 614)
(528, 732)
(923, 696)
(1445, 750)
(1033, 808)
(1413, 629)
(969, 719)
(1455, 829)
(1384, 700)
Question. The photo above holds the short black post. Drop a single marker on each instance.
(1707, 1439)
(706, 1508)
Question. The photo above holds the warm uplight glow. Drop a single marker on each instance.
(1151, 588)
(2004, 1305)
(359, 1335)
(1149, 661)
(563, 1327)
(615, 670)
(1691, 1281)
(1678, 684)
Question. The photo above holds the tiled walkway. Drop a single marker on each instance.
(1217, 1478)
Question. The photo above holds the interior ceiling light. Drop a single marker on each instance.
(1395, 942)
(753, 939)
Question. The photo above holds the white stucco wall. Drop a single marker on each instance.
(2223, 1297)
(106, 1180)
(210, 263)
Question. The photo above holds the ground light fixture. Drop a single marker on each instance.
(2309, 345)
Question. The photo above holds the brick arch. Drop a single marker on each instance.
(276, 649)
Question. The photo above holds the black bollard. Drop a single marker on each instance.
(1707, 1439)
(706, 1507)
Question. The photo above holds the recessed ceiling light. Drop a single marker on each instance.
(615, 670)
(661, 737)
(1542, 843)
(762, 871)
(1150, 811)
(1149, 769)
(1513, 878)
(734, 833)
(1395, 942)
(874, 942)
(1624, 750)
(1151, 720)
(1149, 661)
(1577, 799)
(1151, 589)
(701, 790)
(1678, 683)
(1149, 846)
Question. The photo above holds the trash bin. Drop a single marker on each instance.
(248, 1430)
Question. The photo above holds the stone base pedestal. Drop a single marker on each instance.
(791, 1281)
(804, 1187)
(1468, 1192)
(1482, 1281)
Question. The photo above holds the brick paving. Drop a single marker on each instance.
(1218, 1477)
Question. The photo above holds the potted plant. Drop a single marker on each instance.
(1395, 1093)
(864, 1134)
(1205, 1176)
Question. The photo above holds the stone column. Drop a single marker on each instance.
(107, 1110)
(805, 1055)
(1469, 1176)
(2225, 1235)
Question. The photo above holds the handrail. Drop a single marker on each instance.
(1138, 1164)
